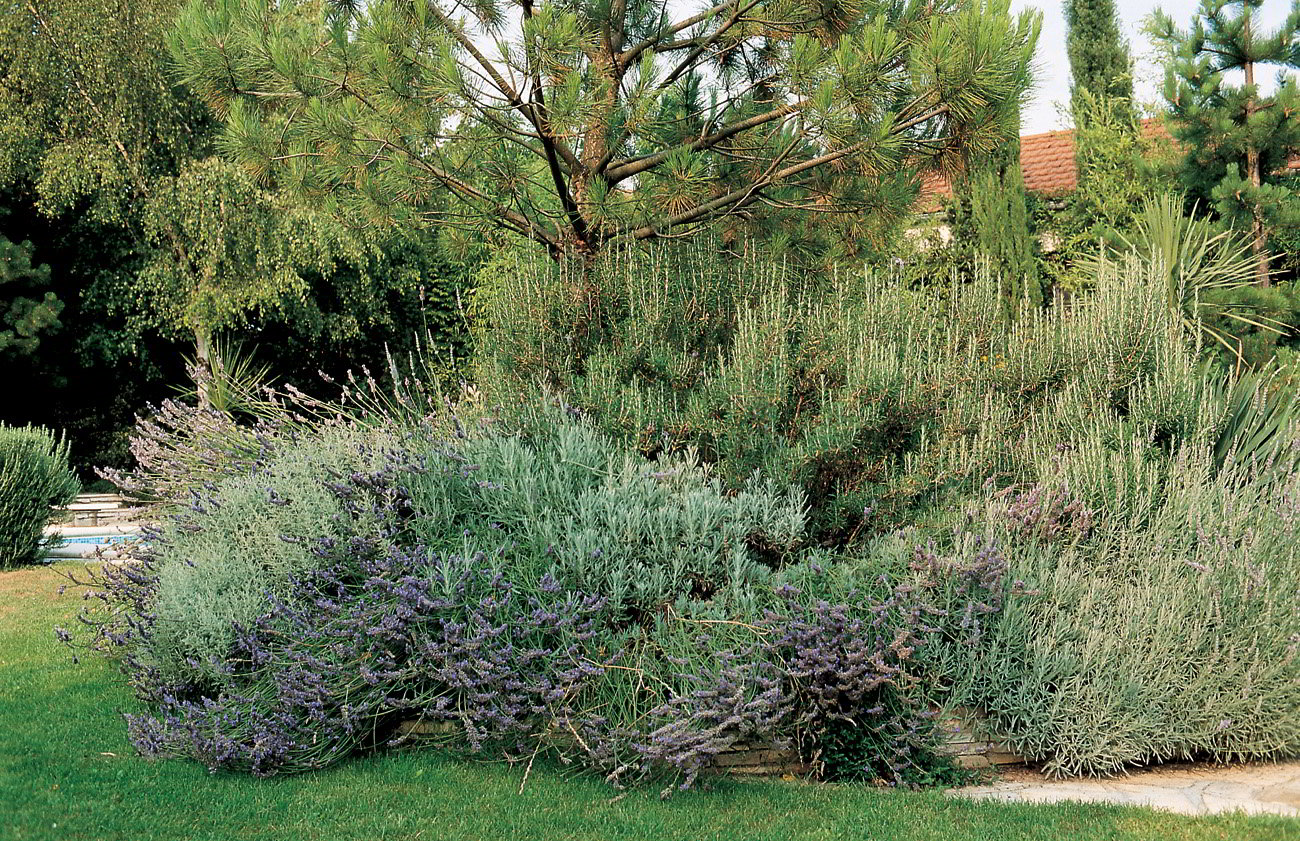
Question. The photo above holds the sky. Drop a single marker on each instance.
(1044, 112)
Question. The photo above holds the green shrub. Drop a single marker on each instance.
(34, 475)
(1069, 520)
(1274, 309)
(1137, 496)
(238, 541)
(869, 395)
(572, 501)
(1157, 618)
(531, 584)
(580, 506)
(999, 221)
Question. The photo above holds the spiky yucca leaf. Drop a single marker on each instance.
(1259, 422)
(1196, 261)
(235, 383)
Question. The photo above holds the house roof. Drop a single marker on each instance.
(1047, 164)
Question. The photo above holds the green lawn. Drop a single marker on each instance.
(67, 771)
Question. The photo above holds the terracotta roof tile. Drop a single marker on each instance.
(1047, 164)
(934, 189)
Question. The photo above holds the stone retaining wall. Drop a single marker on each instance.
(761, 761)
(962, 742)
(970, 750)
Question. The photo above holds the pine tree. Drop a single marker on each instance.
(1099, 56)
(1236, 140)
(584, 122)
(27, 308)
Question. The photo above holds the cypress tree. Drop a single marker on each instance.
(1099, 56)
(992, 211)
(1236, 141)
(1107, 130)
(1000, 216)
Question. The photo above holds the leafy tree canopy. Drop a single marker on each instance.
(240, 250)
(96, 131)
(89, 117)
(581, 122)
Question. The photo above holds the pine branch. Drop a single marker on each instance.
(630, 57)
(624, 170)
(743, 197)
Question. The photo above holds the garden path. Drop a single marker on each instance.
(1188, 789)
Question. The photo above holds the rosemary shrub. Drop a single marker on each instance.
(34, 475)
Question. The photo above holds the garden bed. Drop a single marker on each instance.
(73, 774)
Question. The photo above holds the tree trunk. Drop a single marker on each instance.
(206, 369)
(1253, 171)
(596, 134)
(1258, 238)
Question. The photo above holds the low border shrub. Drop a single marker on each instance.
(34, 475)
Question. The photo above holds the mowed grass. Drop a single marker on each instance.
(67, 771)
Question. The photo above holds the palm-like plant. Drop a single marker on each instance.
(1260, 418)
(1200, 266)
(233, 382)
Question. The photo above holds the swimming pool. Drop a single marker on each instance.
(104, 538)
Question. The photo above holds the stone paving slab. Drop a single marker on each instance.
(1188, 789)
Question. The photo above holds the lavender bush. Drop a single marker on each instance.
(375, 637)
(576, 504)
(516, 592)
(235, 543)
(379, 637)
